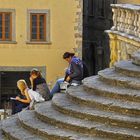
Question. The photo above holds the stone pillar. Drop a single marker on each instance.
(79, 28)
(113, 50)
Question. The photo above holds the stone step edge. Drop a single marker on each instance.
(16, 136)
(47, 134)
(136, 58)
(78, 114)
(126, 71)
(116, 81)
(89, 87)
(98, 102)
(96, 130)
(39, 132)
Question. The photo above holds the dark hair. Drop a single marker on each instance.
(36, 72)
(67, 55)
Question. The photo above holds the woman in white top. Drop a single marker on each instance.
(28, 97)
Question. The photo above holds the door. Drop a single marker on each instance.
(97, 17)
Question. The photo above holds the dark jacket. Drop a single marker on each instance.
(40, 85)
(76, 72)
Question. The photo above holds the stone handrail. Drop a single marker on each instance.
(125, 33)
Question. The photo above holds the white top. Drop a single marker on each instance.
(35, 96)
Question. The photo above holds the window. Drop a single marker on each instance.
(38, 25)
(5, 26)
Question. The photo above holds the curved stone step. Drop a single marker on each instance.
(111, 77)
(47, 113)
(32, 123)
(127, 68)
(105, 103)
(136, 58)
(66, 106)
(94, 84)
(1, 134)
(13, 131)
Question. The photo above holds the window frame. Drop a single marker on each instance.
(45, 12)
(12, 26)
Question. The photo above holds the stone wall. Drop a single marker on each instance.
(78, 28)
(125, 33)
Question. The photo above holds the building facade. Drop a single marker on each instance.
(36, 34)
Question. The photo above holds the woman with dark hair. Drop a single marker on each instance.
(38, 83)
(74, 72)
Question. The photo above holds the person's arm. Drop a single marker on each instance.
(27, 100)
(31, 80)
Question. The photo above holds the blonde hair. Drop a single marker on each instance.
(22, 85)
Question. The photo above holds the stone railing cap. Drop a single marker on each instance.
(127, 6)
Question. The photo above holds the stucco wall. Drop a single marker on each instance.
(62, 36)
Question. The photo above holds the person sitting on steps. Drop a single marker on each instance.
(28, 98)
(74, 72)
(39, 84)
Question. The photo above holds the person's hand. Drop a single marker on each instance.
(68, 79)
(18, 98)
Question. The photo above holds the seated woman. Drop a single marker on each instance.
(74, 72)
(38, 84)
(27, 99)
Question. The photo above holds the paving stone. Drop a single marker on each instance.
(47, 113)
(128, 68)
(13, 131)
(94, 84)
(62, 103)
(32, 123)
(111, 77)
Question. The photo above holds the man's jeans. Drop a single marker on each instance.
(56, 87)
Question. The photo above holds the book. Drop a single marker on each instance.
(12, 98)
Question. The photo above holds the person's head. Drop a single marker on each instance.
(35, 73)
(22, 85)
(68, 56)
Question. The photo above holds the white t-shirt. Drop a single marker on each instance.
(35, 96)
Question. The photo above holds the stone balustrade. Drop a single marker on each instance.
(125, 33)
(126, 18)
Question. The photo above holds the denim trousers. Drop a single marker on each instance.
(56, 87)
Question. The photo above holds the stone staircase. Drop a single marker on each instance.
(105, 107)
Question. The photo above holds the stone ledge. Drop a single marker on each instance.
(127, 68)
(32, 123)
(95, 85)
(14, 131)
(125, 35)
(50, 115)
(104, 103)
(127, 6)
(75, 109)
(110, 76)
(107, 130)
